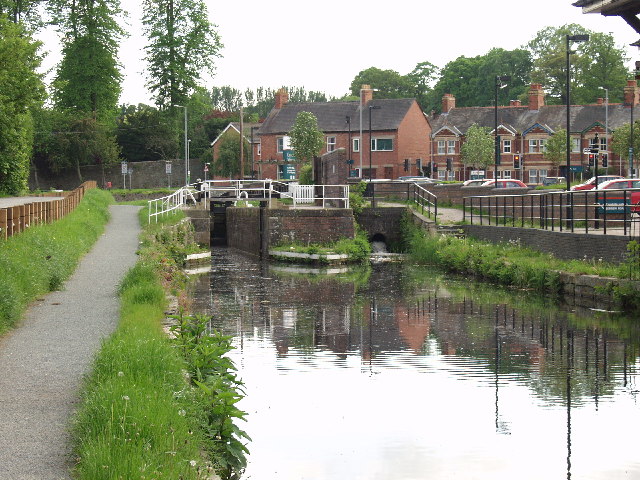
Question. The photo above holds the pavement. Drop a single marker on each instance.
(45, 358)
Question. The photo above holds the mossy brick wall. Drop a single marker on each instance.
(563, 245)
(243, 229)
(385, 221)
(279, 226)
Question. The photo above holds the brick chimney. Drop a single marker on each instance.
(366, 94)
(631, 93)
(536, 96)
(515, 103)
(448, 102)
(282, 97)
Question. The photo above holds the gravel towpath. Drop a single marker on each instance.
(42, 362)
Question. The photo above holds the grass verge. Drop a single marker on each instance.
(40, 259)
(156, 407)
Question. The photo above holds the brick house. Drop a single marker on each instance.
(400, 134)
(250, 137)
(523, 131)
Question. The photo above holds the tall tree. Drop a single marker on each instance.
(478, 147)
(306, 140)
(21, 90)
(228, 161)
(595, 64)
(556, 148)
(88, 77)
(26, 12)
(182, 45)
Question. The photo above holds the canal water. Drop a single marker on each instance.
(398, 372)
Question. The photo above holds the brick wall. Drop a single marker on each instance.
(304, 226)
(385, 221)
(564, 245)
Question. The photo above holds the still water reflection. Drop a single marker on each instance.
(398, 373)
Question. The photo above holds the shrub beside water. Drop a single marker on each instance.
(41, 258)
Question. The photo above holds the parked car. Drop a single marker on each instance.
(591, 183)
(619, 183)
(505, 183)
(474, 183)
(553, 180)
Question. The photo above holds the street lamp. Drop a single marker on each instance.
(371, 107)
(499, 84)
(570, 38)
(186, 147)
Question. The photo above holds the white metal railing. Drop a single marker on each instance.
(246, 190)
(165, 205)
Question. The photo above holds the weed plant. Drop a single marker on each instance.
(153, 406)
(41, 258)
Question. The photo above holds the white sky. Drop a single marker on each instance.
(323, 46)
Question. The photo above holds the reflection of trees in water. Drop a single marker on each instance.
(403, 309)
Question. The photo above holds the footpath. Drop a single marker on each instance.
(42, 362)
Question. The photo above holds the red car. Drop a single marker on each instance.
(505, 183)
(591, 183)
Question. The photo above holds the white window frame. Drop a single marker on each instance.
(542, 174)
(280, 144)
(355, 144)
(575, 145)
(533, 175)
(331, 143)
(374, 144)
(506, 146)
(441, 147)
(451, 147)
(533, 145)
(542, 145)
(506, 174)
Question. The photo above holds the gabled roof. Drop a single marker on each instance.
(236, 126)
(549, 117)
(535, 126)
(332, 116)
(453, 129)
(508, 128)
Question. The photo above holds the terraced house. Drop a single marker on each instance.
(524, 130)
(384, 138)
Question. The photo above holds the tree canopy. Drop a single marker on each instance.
(306, 140)
(478, 147)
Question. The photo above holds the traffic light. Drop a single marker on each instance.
(406, 164)
(592, 159)
(516, 162)
(605, 160)
(449, 164)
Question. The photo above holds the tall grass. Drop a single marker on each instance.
(40, 259)
(152, 406)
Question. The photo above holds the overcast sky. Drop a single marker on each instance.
(322, 46)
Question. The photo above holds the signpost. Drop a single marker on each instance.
(167, 167)
(123, 170)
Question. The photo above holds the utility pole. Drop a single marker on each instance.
(241, 147)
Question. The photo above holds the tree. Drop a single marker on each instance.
(145, 133)
(556, 148)
(595, 64)
(306, 140)
(422, 78)
(389, 83)
(228, 162)
(182, 45)
(88, 77)
(26, 12)
(621, 141)
(21, 90)
(478, 148)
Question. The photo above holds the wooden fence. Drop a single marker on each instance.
(14, 220)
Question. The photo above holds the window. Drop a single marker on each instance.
(355, 142)
(442, 174)
(542, 173)
(259, 147)
(542, 145)
(280, 146)
(533, 176)
(331, 144)
(533, 144)
(506, 174)
(537, 145)
(451, 146)
(575, 145)
(603, 143)
(441, 147)
(382, 144)
(506, 146)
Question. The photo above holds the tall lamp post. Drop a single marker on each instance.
(570, 38)
(500, 83)
(186, 147)
(371, 107)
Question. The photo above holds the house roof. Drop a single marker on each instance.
(332, 116)
(550, 117)
(236, 126)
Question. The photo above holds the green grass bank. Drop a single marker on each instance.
(40, 259)
(155, 406)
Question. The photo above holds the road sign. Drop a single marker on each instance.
(123, 168)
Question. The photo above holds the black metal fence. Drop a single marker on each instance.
(603, 211)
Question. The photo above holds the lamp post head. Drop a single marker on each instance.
(578, 38)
